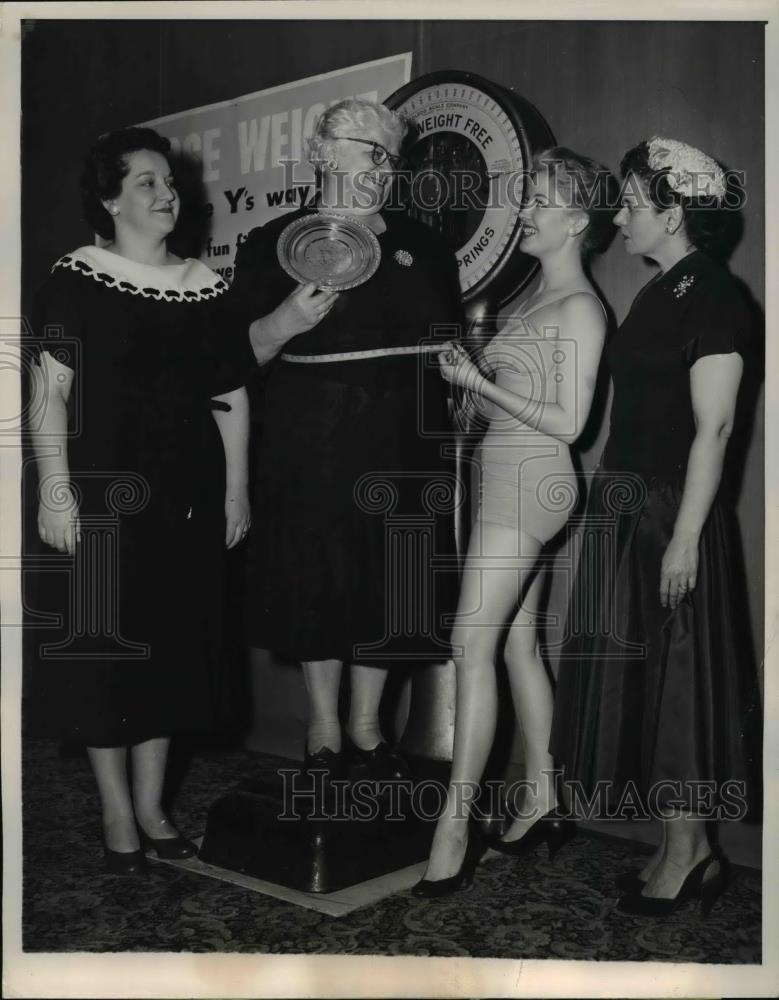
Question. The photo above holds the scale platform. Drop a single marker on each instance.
(292, 829)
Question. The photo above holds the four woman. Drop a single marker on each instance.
(656, 698)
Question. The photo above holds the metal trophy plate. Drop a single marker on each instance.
(332, 251)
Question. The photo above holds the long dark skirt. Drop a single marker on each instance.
(649, 698)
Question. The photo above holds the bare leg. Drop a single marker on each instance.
(531, 692)
(367, 684)
(686, 844)
(646, 872)
(109, 765)
(149, 762)
(323, 682)
(497, 566)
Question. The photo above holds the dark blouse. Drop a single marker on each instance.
(693, 310)
(147, 359)
(414, 294)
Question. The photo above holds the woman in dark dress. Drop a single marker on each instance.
(134, 488)
(350, 444)
(653, 698)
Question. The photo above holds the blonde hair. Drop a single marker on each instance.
(592, 188)
(353, 115)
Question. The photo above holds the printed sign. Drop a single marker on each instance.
(253, 151)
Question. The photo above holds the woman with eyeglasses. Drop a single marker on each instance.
(353, 426)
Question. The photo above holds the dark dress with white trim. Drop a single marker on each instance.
(135, 653)
(351, 554)
(648, 695)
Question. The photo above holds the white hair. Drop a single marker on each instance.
(353, 115)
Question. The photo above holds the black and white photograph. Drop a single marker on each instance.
(389, 536)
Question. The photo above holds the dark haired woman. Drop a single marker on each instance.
(655, 702)
(535, 381)
(141, 364)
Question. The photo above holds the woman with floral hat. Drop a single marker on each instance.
(651, 702)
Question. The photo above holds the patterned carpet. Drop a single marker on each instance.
(515, 909)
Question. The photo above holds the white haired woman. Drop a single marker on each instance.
(655, 704)
(342, 433)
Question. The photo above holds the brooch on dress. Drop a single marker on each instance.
(684, 284)
(404, 258)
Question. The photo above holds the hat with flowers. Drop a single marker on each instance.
(690, 171)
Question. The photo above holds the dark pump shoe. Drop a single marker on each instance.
(551, 829)
(124, 862)
(435, 889)
(629, 884)
(381, 763)
(695, 886)
(169, 848)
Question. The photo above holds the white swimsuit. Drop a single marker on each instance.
(528, 480)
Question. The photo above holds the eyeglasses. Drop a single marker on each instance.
(379, 154)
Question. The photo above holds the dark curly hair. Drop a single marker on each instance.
(106, 167)
(707, 224)
(591, 187)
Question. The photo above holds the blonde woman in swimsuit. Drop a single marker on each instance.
(534, 382)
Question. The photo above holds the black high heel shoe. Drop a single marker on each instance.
(124, 862)
(695, 886)
(434, 889)
(629, 884)
(168, 848)
(551, 829)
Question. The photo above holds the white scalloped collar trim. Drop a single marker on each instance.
(190, 281)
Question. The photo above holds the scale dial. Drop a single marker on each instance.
(470, 145)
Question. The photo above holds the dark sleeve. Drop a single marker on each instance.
(234, 361)
(58, 320)
(717, 321)
(259, 284)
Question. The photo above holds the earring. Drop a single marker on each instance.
(332, 164)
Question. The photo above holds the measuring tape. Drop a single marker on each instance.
(381, 352)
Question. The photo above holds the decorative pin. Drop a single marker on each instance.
(404, 258)
(681, 289)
